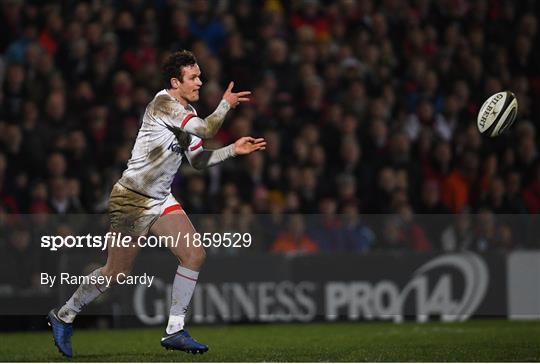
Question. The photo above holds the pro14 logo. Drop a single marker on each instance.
(429, 291)
(384, 300)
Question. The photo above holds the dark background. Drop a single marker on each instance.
(368, 107)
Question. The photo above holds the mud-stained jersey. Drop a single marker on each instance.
(161, 142)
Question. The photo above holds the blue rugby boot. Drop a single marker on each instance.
(181, 340)
(62, 332)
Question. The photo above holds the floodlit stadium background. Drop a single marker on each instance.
(376, 198)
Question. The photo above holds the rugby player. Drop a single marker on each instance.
(141, 201)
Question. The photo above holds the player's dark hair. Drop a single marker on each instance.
(174, 64)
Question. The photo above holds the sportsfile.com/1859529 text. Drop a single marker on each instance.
(116, 239)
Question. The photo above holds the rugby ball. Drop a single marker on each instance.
(497, 114)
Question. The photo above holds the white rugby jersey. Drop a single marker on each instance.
(159, 147)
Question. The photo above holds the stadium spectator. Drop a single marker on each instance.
(456, 189)
(326, 228)
(357, 236)
(485, 232)
(22, 258)
(294, 239)
(459, 235)
(514, 202)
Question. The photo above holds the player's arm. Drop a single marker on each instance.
(201, 158)
(208, 127)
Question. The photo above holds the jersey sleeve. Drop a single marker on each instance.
(201, 158)
(194, 149)
(172, 114)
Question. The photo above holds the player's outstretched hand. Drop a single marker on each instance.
(246, 145)
(235, 98)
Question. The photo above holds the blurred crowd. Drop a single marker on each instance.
(368, 107)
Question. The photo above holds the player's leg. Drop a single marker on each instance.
(119, 260)
(131, 214)
(176, 223)
(190, 260)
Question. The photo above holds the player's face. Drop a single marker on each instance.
(189, 88)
